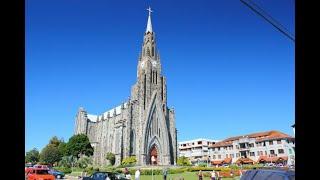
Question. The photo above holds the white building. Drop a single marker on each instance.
(196, 150)
(270, 146)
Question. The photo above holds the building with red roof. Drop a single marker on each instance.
(262, 147)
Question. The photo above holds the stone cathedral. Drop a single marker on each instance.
(143, 125)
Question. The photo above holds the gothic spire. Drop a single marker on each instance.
(149, 25)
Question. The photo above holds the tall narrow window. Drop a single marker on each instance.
(156, 77)
(162, 88)
(152, 51)
(144, 94)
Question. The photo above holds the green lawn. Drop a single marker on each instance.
(186, 176)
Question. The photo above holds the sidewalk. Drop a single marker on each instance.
(68, 177)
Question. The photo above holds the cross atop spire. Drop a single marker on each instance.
(149, 25)
(150, 11)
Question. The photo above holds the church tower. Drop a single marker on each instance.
(149, 67)
(155, 121)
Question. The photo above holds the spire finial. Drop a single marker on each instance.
(149, 25)
(150, 11)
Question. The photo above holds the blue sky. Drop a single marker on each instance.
(229, 72)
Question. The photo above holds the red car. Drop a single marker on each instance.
(39, 174)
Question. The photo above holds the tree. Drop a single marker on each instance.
(50, 154)
(183, 161)
(79, 144)
(68, 161)
(32, 156)
(62, 148)
(111, 157)
(55, 141)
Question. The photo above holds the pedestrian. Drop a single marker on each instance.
(165, 173)
(218, 175)
(200, 175)
(127, 173)
(137, 174)
(213, 175)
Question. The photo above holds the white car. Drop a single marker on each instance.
(225, 165)
(271, 165)
(280, 165)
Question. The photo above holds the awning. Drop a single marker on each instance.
(227, 160)
(216, 162)
(272, 159)
(245, 161)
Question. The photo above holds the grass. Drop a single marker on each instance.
(75, 173)
(185, 175)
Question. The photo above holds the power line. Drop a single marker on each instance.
(268, 18)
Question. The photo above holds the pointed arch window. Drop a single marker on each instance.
(148, 51)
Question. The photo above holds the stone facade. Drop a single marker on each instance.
(142, 126)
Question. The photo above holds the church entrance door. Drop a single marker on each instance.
(154, 153)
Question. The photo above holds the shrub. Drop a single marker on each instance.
(233, 166)
(202, 164)
(89, 170)
(111, 157)
(129, 161)
(149, 172)
(183, 161)
(83, 162)
(177, 170)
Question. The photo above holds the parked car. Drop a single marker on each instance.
(56, 173)
(39, 174)
(27, 170)
(28, 165)
(265, 174)
(280, 165)
(104, 176)
(225, 165)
